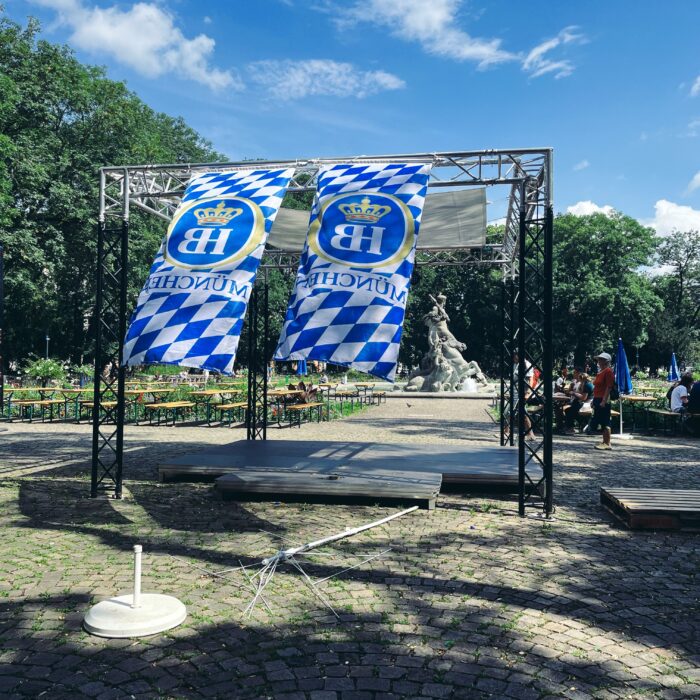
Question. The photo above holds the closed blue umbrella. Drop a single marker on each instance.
(622, 377)
(301, 368)
(622, 370)
(673, 375)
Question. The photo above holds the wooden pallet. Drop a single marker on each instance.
(662, 509)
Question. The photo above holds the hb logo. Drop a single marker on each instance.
(213, 232)
(362, 230)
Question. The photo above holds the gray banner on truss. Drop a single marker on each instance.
(450, 220)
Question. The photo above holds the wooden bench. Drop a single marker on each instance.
(671, 420)
(586, 413)
(347, 395)
(239, 407)
(295, 412)
(379, 397)
(161, 407)
(89, 405)
(27, 406)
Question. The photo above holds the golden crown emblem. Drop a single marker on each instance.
(364, 211)
(220, 215)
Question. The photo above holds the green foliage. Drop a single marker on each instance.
(59, 122)
(677, 327)
(473, 304)
(45, 370)
(599, 294)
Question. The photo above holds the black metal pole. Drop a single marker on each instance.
(2, 326)
(504, 333)
(251, 413)
(121, 370)
(522, 291)
(511, 349)
(96, 395)
(264, 360)
(548, 361)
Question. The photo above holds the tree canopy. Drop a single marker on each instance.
(61, 120)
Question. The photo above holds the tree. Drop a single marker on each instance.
(59, 122)
(473, 304)
(677, 327)
(599, 292)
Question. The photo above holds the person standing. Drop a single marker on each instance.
(602, 386)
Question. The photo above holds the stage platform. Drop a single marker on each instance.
(339, 470)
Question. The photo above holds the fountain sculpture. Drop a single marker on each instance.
(443, 368)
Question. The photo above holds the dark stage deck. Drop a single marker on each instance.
(344, 470)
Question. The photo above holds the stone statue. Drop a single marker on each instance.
(443, 368)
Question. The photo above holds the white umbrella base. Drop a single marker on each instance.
(115, 618)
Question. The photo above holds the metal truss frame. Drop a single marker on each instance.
(524, 255)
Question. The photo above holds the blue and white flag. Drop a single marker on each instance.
(349, 298)
(190, 311)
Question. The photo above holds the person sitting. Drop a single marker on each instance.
(562, 381)
(693, 405)
(679, 396)
(581, 396)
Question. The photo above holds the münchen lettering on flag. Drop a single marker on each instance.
(190, 310)
(349, 299)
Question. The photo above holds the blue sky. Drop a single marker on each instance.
(614, 87)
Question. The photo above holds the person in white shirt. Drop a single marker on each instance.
(679, 396)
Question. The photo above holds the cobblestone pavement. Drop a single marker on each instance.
(471, 602)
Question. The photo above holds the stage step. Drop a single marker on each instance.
(309, 485)
(659, 509)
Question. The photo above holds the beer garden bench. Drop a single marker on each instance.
(163, 408)
(27, 407)
(296, 412)
(237, 408)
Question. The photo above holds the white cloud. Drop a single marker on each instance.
(695, 89)
(431, 24)
(694, 184)
(669, 216)
(143, 37)
(292, 80)
(586, 207)
(582, 165)
(536, 62)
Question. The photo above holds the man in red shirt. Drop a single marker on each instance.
(602, 386)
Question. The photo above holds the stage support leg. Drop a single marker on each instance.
(534, 345)
(110, 328)
(258, 350)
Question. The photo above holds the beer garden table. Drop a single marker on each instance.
(206, 396)
(136, 397)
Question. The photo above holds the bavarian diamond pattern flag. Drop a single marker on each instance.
(349, 298)
(190, 311)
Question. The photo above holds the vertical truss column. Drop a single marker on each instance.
(2, 327)
(508, 329)
(534, 342)
(109, 321)
(258, 332)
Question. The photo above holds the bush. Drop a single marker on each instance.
(46, 370)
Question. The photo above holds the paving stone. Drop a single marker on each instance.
(471, 602)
